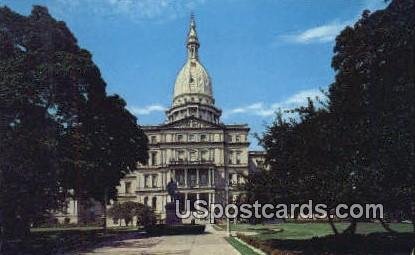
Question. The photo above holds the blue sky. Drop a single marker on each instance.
(262, 55)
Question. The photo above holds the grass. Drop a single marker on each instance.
(318, 238)
(240, 247)
(64, 239)
(302, 231)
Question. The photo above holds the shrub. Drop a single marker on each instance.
(185, 229)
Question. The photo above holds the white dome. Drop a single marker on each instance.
(193, 79)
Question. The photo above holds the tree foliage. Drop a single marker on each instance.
(59, 130)
(358, 147)
(126, 211)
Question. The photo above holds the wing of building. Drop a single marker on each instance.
(193, 147)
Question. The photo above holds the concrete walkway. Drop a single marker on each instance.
(210, 243)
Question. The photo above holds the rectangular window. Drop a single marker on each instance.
(238, 138)
(180, 155)
(179, 138)
(180, 177)
(191, 177)
(153, 139)
(204, 156)
(193, 156)
(203, 138)
(153, 158)
(154, 180)
(238, 157)
(230, 157)
(191, 138)
(147, 181)
(127, 188)
(203, 175)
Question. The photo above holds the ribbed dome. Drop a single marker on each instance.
(193, 79)
(192, 95)
(193, 83)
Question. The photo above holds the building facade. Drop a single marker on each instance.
(193, 147)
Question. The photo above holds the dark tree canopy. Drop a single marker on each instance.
(359, 146)
(59, 130)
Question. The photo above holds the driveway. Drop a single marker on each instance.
(212, 242)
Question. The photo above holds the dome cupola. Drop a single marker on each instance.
(193, 87)
(193, 82)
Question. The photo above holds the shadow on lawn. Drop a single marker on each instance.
(375, 243)
(60, 242)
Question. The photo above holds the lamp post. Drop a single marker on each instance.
(226, 159)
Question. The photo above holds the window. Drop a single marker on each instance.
(180, 177)
(191, 138)
(237, 138)
(230, 157)
(241, 179)
(145, 200)
(153, 139)
(147, 181)
(229, 137)
(154, 180)
(179, 138)
(238, 157)
(203, 175)
(154, 203)
(153, 158)
(193, 156)
(203, 138)
(180, 155)
(127, 188)
(204, 155)
(191, 177)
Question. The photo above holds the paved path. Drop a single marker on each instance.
(210, 243)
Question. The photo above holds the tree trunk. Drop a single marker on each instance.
(386, 226)
(351, 229)
(104, 218)
(333, 227)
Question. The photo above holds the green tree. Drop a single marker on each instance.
(372, 99)
(56, 114)
(128, 210)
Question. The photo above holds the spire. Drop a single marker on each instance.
(192, 40)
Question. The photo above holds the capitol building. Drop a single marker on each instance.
(193, 147)
(205, 157)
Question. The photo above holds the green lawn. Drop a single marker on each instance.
(318, 238)
(64, 239)
(242, 248)
(308, 230)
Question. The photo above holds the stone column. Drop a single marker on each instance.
(185, 177)
(197, 177)
(185, 202)
(210, 177)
